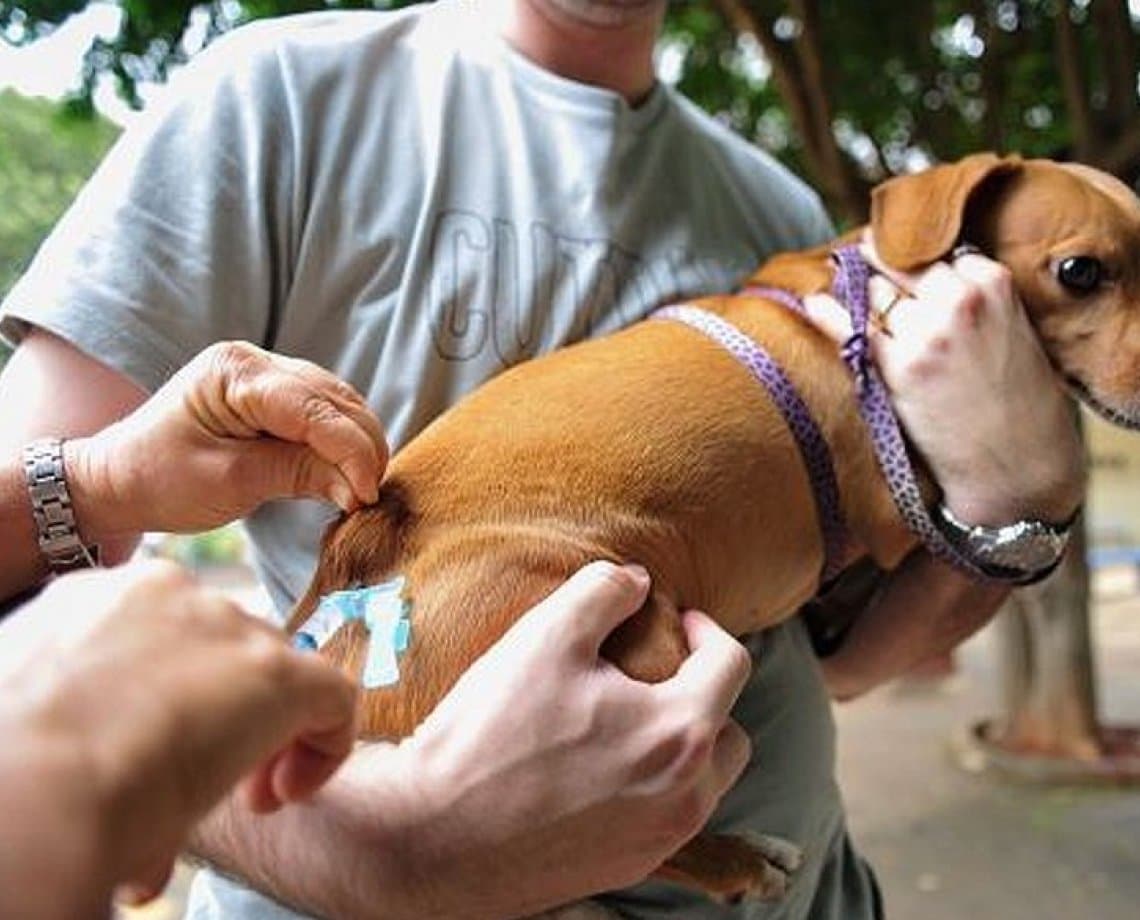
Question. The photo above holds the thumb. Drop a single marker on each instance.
(148, 884)
(829, 315)
(591, 604)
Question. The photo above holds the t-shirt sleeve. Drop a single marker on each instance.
(183, 235)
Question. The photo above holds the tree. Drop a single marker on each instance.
(154, 35)
(45, 157)
(847, 94)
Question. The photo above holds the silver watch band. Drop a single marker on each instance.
(1022, 552)
(56, 530)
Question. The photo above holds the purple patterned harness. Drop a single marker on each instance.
(851, 288)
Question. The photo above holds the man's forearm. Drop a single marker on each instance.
(925, 609)
(24, 565)
(335, 856)
(56, 861)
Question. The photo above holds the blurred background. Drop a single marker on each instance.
(1002, 783)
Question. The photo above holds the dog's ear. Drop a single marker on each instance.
(917, 219)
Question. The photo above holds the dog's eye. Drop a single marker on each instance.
(1081, 274)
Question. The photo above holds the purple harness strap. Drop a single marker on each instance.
(777, 295)
(851, 288)
(810, 441)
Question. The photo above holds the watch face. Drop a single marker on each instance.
(1022, 549)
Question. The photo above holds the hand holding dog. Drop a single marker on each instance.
(973, 388)
(148, 698)
(547, 773)
(246, 426)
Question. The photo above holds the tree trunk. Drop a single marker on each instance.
(1048, 679)
(1113, 24)
(1075, 84)
(799, 73)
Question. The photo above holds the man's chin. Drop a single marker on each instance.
(608, 13)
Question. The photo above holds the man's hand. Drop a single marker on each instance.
(236, 427)
(545, 775)
(155, 696)
(973, 389)
(979, 400)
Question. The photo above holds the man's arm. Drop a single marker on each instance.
(50, 388)
(985, 411)
(923, 609)
(235, 427)
(101, 778)
(486, 810)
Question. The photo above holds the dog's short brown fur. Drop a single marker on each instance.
(653, 445)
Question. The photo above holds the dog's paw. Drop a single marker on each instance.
(732, 868)
(781, 860)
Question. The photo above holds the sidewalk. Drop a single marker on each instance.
(949, 845)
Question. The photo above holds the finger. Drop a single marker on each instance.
(295, 471)
(932, 309)
(148, 885)
(257, 789)
(290, 408)
(992, 277)
(344, 395)
(829, 315)
(308, 724)
(309, 416)
(716, 670)
(904, 280)
(306, 766)
(323, 702)
(590, 605)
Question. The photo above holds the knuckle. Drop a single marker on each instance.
(971, 301)
(342, 389)
(212, 612)
(317, 410)
(1001, 275)
(694, 748)
(268, 656)
(610, 575)
(929, 362)
(235, 356)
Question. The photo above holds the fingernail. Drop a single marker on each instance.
(639, 572)
(134, 895)
(344, 497)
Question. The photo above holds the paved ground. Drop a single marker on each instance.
(952, 844)
(949, 844)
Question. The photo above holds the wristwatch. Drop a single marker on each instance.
(1022, 553)
(56, 530)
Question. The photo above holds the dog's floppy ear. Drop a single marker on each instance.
(917, 219)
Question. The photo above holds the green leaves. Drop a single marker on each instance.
(844, 92)
(150, 39)
(45, 157)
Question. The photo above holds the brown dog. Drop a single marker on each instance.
(654, 445)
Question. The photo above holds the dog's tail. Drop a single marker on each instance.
(358, 549)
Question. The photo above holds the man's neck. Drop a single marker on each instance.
(617, 55)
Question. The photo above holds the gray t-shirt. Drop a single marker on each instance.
(403, 199)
